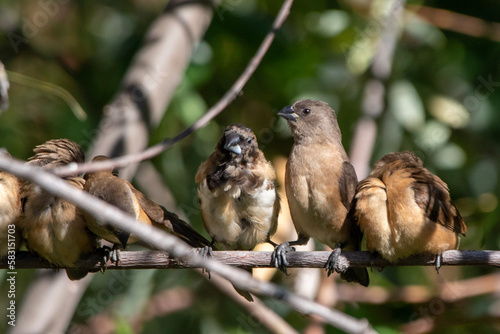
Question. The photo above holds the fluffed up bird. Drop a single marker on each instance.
(405, 210)
(320, 183)
(109, 187)
(53, 227)
(10, 210)
(239, 201)
(238, 197)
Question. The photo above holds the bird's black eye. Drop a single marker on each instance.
(249, 140)
(306, 111)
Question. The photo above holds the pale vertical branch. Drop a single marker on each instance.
(373, 103)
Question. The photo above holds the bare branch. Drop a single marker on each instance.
(253, 259)
(163, 241)
(230, 95)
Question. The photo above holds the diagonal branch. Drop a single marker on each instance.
(230, 95)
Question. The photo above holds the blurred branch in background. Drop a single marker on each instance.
(464, 24)
(160, 240)
(52, 89)
(177, 299)
(373, 103)
(444, 19)
(449, 292)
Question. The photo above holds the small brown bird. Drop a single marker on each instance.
(404, 210)
(239, 201)
(10, 210)
(320, 183)
(106, 185)
(53, 227)
(238, 198)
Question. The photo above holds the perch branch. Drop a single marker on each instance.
(158, 239)
(230, 95)
(252, 259)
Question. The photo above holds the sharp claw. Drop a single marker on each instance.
(279, 256)
(331, 263)
(105, 258)
(439, 257)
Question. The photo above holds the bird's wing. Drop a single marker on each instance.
(347, 186)
(169, 221)
(432, 195)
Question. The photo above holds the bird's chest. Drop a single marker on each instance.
(312, 187)
(238, 218)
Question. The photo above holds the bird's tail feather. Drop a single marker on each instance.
(356, 274)
(76, 274)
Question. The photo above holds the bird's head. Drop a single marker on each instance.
(397, 160)
(311, 119)
(57, 152)
(238, 142)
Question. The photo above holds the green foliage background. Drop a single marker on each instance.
(438, 105)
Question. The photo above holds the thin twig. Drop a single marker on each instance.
(158, 239)
(230, 95)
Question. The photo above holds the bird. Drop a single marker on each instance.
(10, 211)
(320, 183)
(53, 227)
(237, 193)
(405, 210)
(108, 186)
(238, 198)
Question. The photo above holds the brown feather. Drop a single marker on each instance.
(53, 227)
(106, 185)
(10, 210)
(404, 209)
(239, 202)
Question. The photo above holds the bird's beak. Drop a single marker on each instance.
(288, 114)
(232, 143)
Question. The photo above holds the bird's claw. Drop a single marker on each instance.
(279, 256)
(439, 259)
(331, 263)
(106, 256)
(205, 252)
(109, 254)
